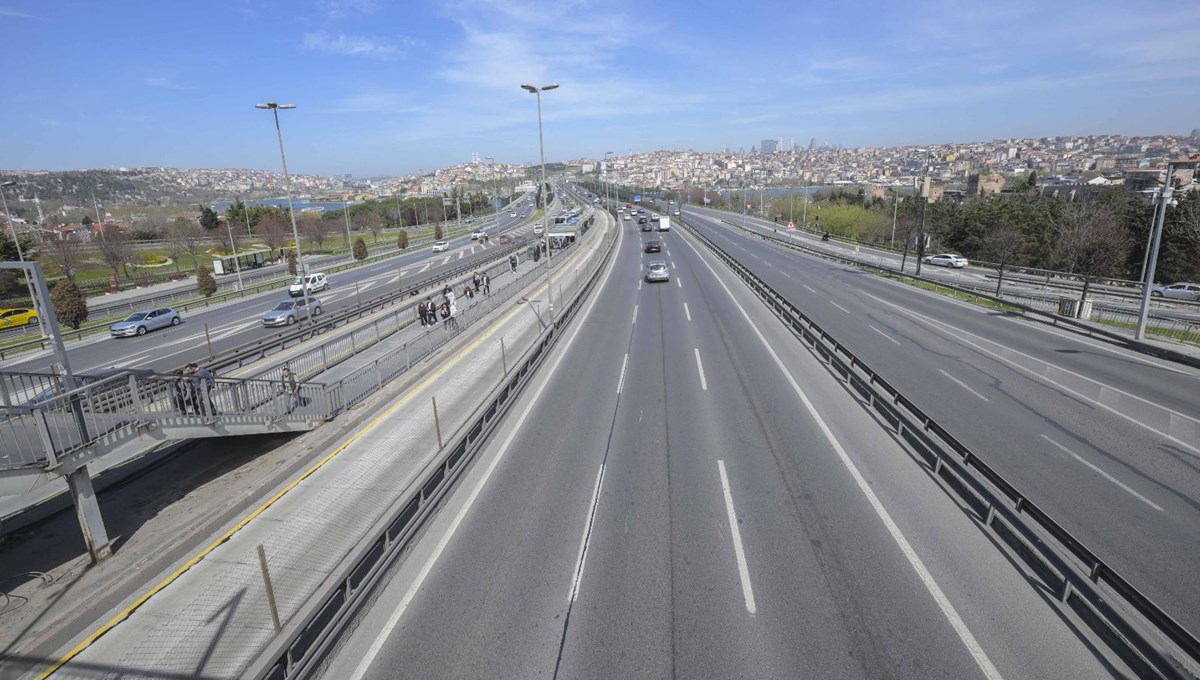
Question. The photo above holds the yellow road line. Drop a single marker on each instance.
(125, 613)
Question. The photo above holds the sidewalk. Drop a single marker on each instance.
(213, 617)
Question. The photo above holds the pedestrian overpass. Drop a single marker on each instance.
(53, 425)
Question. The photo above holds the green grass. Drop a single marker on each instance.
(1188, 337)
(959, 295)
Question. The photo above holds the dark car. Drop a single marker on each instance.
(641, 220)
(653, 247)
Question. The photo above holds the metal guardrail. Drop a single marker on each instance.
(1028, 310)
(1059, 558)
(309, 633)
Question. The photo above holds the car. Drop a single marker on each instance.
(645, 227)
(140, 323)
(19, 316)
(653, 247)
(512, 214)
(642, 220)
(314, 282)
(657, 270)
(538, 230)
(655, 217)
(1177, 291)
(946, 260)
(441, 247)
(288, 312)
(477, 235)
(677, 213)
(628, 218)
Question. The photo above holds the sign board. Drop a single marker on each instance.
(791, 226)
(637, 198)
(446, 201)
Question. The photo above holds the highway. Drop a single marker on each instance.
(238, 321)
(685, 492)
(1107, 440)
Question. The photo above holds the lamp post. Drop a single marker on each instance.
(346, 213)
(607, 196)
(1164, 199)
(287, 182)
(237, 265)
(495, 190)
(20, 254)
(537, 92)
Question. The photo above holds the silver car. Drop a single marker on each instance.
(946, 260)
(1178, 291)
(657, 270)
(289, 312)
(140, 323)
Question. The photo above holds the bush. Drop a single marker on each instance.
(291, 260)
(402, 239)
(70, 306)
(360, 249)
(437, 232)
(206, 285)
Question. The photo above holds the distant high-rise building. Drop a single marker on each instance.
(812, 144)
(767, 146)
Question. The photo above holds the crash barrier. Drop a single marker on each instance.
(94, 414)
(975, 295)
(1132, 625)
(310, 632)
(273, 281)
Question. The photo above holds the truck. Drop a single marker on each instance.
(664, 223)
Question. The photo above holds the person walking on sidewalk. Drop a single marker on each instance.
(446, 316)
(512, 263)
(486, 281)
(291, 391)
(469, 296)
(475, 281)
(453, 317)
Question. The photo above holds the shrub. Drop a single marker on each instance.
(402, 239)
(70, 306)
(206, 285)
(360, 249)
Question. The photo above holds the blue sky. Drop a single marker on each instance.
(388, 88)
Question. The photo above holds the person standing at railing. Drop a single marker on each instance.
(204, 383)
(445, 310)
(182, 393)
(453, 315)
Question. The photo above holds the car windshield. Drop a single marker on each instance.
(136, 316)
(299, 280)
(283, 307)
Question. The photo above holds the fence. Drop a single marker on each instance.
(1140, 631)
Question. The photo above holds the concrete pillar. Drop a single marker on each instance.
(88, 511)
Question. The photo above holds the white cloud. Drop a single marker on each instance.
(352, 45)
(337, 9)
(6, 12)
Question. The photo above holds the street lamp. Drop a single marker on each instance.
(287, 182)
(346, 213)
(537, 92)
(607, 197)
(1164, 199)
(495, 191)
(20, 255)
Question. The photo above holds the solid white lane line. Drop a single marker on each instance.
(839, 306)
(447, 259)
(738, 551)
(621, 380)
(935, 591)
(635, 308)
(587, 536)
(883, 334)
(810, 288)
(390, 625)
(963, 385)
(428, 264)
(687, 311)
(394, 279)
(700, 367)
(1105, 475)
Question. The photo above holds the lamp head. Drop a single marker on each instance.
(529, 88)
(551, 86)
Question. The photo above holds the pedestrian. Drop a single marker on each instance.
(475, 280)
(450, 297)
(423, 312)
(469, 296)
(453, 316)
(486, 279)
(512, 263)
(204, 383)
(446, 315)
(181, 393)
(291, 391)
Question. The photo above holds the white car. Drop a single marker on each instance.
(314, 282)
(1178, 291)
(512, 214)
(677, 213)
(476, 235)
(628, 217)
(946, 260)
(441, 247)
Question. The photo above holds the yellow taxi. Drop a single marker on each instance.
(11, 318)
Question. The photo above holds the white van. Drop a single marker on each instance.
(315, 282)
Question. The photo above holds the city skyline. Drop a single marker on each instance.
(444, 83)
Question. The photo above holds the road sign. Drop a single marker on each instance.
(637, 199)
(791, 226)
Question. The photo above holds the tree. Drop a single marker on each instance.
(208, 219)
(1092, 243)
(360, 249)
(188, 237)
(116, 248)
(235, 214)
(373, 224)
(8, 247)
(1003, 246)
(206, 285)
(70, 306)
(402, 239)
(437, 232)
(66, 254)
(314, 228)
(86, 221)
(272, 230)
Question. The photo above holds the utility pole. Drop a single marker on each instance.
(895, 213)
(1164, 199)
(346, 213)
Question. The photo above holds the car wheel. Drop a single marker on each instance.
(175, 321)
(316, 311)
(291, 320)
(34, 321)
(1155, 293)
(141, 330)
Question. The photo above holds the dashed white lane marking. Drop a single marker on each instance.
(738, 551)
(448, 257)
(635, 310)
(678, 282)
(428, 264)
(687, 311)
(621, 380)
(810, 288)
(587, 536)
(839, 306)
(672, 264)
(394, 278)
(1105, 475)
(935, 591)
(883, 334)
(962, 385)
(700, 368)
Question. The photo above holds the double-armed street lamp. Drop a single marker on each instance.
(287, 182)
(537, 92)
(12, 227)
(495, 191)
(607, 197)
